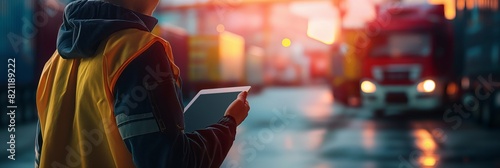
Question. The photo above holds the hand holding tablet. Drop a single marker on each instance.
(239, 108)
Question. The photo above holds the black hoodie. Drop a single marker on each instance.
(89, 23)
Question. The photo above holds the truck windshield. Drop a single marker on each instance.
(401, 45)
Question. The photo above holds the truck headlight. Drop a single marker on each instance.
(368, 87)
(426, 86)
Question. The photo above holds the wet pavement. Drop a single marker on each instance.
(302, 127)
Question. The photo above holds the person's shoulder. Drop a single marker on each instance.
(133, 36)
(133, 40)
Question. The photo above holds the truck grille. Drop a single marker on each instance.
(396, 98)
(397, 76)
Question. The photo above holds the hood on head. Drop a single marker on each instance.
(87, 23)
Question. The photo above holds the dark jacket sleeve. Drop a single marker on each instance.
(147, 88)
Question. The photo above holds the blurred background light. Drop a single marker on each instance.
(322, 30)
(426, 86)
(368, 87)
(428, 161)
(220, 28)
(286, 42)
(449, 7)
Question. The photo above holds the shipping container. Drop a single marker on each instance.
(345, 71)
(320, 64)
(30, 28)
(255, 67)
(216, 60)
(477, 51)
(18, 31)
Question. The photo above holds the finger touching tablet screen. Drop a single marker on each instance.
(208, 106)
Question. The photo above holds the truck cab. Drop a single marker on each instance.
(408, 59)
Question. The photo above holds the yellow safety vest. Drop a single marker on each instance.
(75, 103)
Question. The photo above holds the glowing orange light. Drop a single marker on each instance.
(425, 142)
(469, 4)
(460, 4)
(452, 89)
(428, 161)
(449, 7)
(427, 145)
(220, 28)
(231, 54)
(495, 5)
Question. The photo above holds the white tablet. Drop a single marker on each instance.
(208, 106)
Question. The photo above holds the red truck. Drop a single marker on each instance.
(408, 60)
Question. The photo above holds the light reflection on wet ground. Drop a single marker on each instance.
(316, 132)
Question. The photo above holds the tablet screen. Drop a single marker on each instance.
(208, 106)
